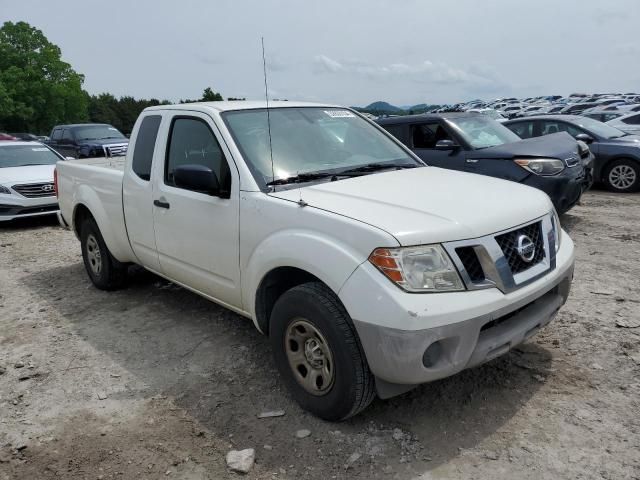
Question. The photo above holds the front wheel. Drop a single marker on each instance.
(104, 270)
(623, 175)
(318, 353)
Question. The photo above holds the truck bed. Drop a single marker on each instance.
(97, 184)
(115, 163)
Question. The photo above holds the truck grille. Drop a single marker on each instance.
(471, 263)
(509, 244)
(35, 190)
(115, 150)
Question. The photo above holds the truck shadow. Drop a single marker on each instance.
(219, 369)
(29, 223)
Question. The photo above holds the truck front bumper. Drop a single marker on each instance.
(410, 339)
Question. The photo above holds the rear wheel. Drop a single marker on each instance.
(623, 175)
(318, 353)
(104, 270)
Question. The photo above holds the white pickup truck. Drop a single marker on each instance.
(369, 271)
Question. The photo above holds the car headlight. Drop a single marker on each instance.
(557, 229)
(541, 166)
(5, 190)
(422, 269)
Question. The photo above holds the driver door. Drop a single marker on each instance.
(197, 234)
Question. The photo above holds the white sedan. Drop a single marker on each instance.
(629, 123)
(26, 180)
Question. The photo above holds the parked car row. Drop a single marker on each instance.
(574, 104)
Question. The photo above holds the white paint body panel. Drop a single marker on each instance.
(223, 248)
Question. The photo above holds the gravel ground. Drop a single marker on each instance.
(155, 382)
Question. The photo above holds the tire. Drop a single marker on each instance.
(346, 385)
(105, 272)
(622, 176)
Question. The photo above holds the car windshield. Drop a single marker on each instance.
(599, 128)
(97, 132)
(483, 132)
(307, 140)
(22, 155)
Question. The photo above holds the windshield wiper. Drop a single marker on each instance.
(300, 178)
(375, 167)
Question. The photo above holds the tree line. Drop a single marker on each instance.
(39, 90)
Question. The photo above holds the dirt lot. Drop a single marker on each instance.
(155, 382)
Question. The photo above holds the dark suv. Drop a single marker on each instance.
(87, 140)
(617, 154)
(476, 143)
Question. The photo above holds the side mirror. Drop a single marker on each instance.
(583, 137)
(197, 178)
(69, 158)
(446, 145)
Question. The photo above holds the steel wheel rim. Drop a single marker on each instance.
(94, 256)
(309, 357)
(622, 176)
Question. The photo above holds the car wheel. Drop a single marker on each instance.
(318, 353)
(104, 270)
(623, 175)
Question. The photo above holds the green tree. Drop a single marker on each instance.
(37, 88)
(210, 96)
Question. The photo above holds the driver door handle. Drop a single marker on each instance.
(161, 204)
(472, 160)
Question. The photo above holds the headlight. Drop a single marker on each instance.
(426, 268)
(541, 166)
(557, 229)
(5, 190)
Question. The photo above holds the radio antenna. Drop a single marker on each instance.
(266, 96)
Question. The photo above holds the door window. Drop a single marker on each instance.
(426, 135)
(522, 129)
(191, 142)
(66, 136)
(550, 127)
(57, 134)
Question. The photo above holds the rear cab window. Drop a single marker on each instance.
(145, 146)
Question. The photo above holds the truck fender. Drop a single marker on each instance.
(323, 256)
(111, 227)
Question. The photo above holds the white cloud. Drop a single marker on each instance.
(432, 72)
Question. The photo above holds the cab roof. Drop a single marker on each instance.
(238, 105)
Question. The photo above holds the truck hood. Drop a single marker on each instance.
(557, 145)
(27, 174)
(427, 205)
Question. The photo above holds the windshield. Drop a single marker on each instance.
(483, 132)
(309, 140)
(97, 132)
(22, 155)
(599, 128)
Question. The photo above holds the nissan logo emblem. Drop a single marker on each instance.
(526, 249)
(47, 188)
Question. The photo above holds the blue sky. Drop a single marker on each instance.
(345, 51)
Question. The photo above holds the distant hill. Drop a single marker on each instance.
(385, 108)
(382, 108)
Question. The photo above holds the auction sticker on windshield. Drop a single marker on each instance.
(339, 113)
